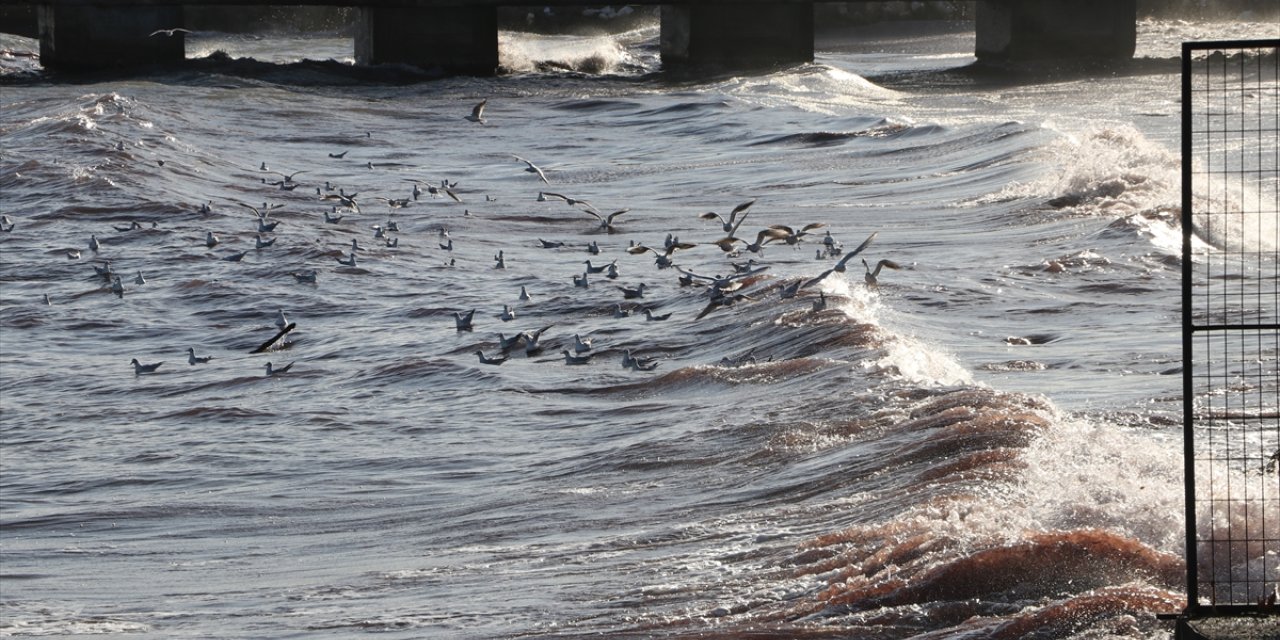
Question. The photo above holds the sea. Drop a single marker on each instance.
(985, 443)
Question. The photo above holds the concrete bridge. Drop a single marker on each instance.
(461, 36)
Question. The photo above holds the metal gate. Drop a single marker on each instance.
(1230, 330)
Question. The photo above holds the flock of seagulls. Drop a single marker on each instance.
(718, 291)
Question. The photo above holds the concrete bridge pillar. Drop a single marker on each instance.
(452, 40)
(737, 35)
(1013, 31)
(93, 37)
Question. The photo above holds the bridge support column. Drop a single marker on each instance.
(94, 37)
(452, 40)
(737, 35)
(1012, 31)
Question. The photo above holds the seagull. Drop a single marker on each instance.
(508, 314)
(348, 201)
(210, 240)
(139, 279)
(262, 244)
(728, 224)
(792, 236)
(47, 301)
(606, 222)
(272, 371)
(542, 196)
(611, 270)
(7, 224)
(281, 321)
(168, 32)
(139, 368)
(581, 281)
(599, 269)
(262, 213)
(73, 254)
(266, 227)
(531, 346)
(765, 236)
(532, 168)
(496, 360)
(637, 292)
(339, 156)
(870, 276)
(721, 300)
(619, 312)
(569, 358)
(648, 315)
(193, 359)
(447, 246)
(105, 270)
(235, 257)
(500, 261)
(547, 244)
(840, 266)
(350, 261)
(132, 226)
(593, 248)
(433, 190)
(580, 345)
(791, 290)
(332, 218)
(463, 320)
(94, 245)
(509, 343)
(639, 364)
(821, 302)
(117, 287)
(477, 112)
(662, 258)
(305, 277)
(524, 295)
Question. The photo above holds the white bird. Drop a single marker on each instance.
(524, 295)
(193, 359)
(870, 276)
(477, 112)
(570, 358)
(168, 32)
(350, 261)
(840, 266)
(619, 312)
(581, 281)
(496, 360)
(272, 371)
(637, 292)
(117, 287)
(532, 168)
(648, 315)
(139, 279)
(531, 338)
(728, 224)
(73, 254)
(508, 314)
(281, 320)
(463, 320)
(305, 277)
(262, 244)
(580, 345)
(139, 368)
(235, 257)
(210, 240)
(94, 245)
(501, 261)
(639, 364)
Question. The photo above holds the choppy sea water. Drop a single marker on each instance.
(986, 444)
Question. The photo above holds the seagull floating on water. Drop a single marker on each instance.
(350, 260)
(463, 320)
(193, 359)
(272, 371)
(496, 360)
(570, 358)
(508, 314)
(139, 368)
(648, 315)
(305, 277)
(210, 240)
(477, 112)
(580, 345)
